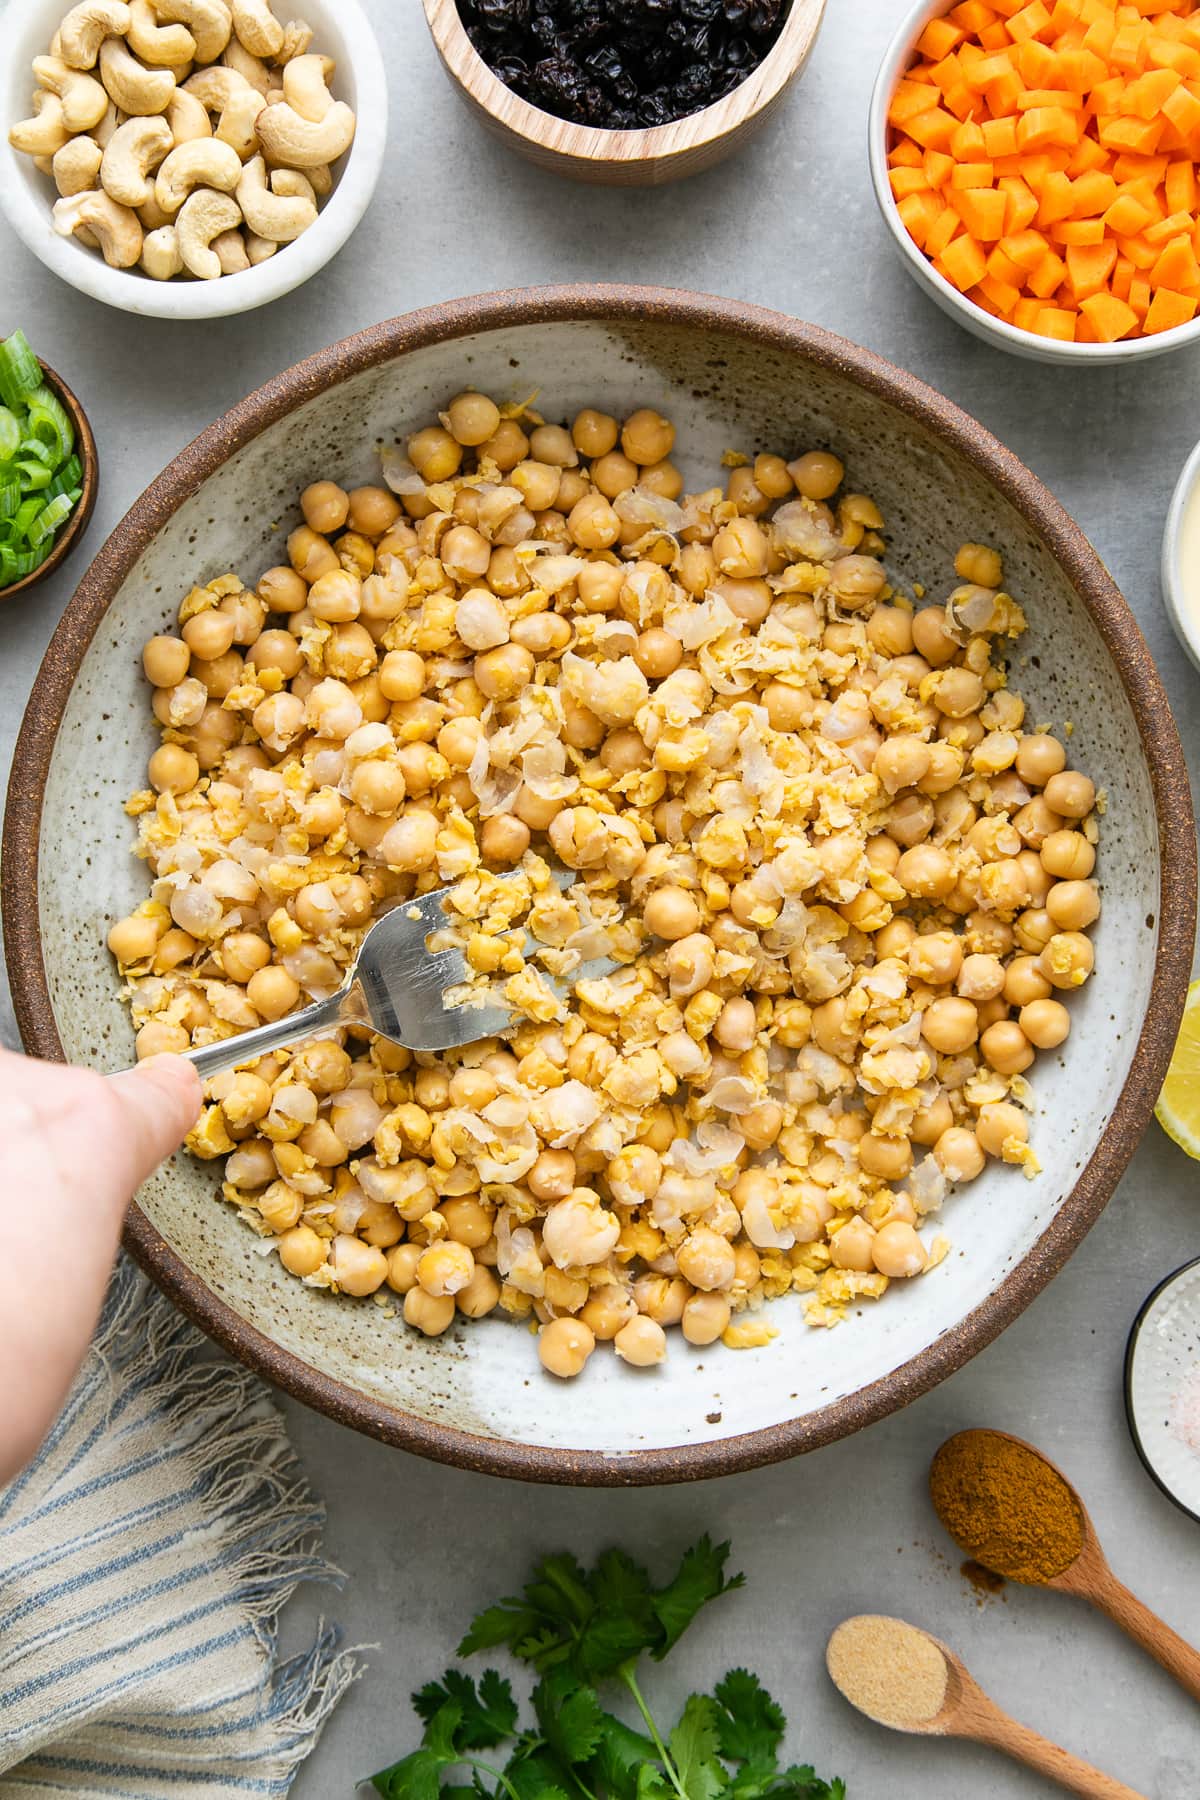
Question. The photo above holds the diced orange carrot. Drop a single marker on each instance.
(1131, 167)
(972, 175)
(944, 228)
(1083, 233)
(939, 38)
(932, 129)
(1182, 110)
(1127, 216)
(1088, 156)
(1180, 187)
(1048, 125)
(967, 142)
(1121, 277)
(918, 212)
(1162, 230)
(981, 74)
(1032, 21)
(1002, 268)
(1054, 201)
(1036, 63)
(1024, 248)
(1080, 70)
(1089, 267)
(960, 101)
(1105, 98)
(999, 137)
(1020, 206)
(1056, 322)
(1145, 96)
(1129, 48)
(973, 15)
(1050, 274)
(963, 263)
(1109, 317)
(981, 211)
(1139, 295)
(1137, 135)
(938, 167)
(1141, 254)
(910, 98)
(1064, 14)
(1025, 312)
(1099, 37)
(1002, 294)
(1163, 53)
(1176, 266)
(1002, 95)
(994, 37)
(1092, 193)
(1168, 309)
(946, 74)
(907, 181)
(1035, 97)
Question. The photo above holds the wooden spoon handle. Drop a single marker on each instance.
(1177, 1656)
(1050, 1759)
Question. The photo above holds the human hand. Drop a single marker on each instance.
(74, 1146)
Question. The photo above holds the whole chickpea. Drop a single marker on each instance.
(1068, 856)
(173, 770)
(998, 1124)
(1040, 756)
(958, 1155)
(431, 1314)
(887, 1158)
(325, 506)
(301, 1251)
(1024, 982)
(165, 660)
(1005, 1048)
(818, 474)
(641, 1342)
(373, 511)
(473, 418)
(926, 872)
(646, 437)
(705, 1317)
(850, 1247)
(480, 1296)
(1070, 794)
(931, 639)
(1073, 905)
(1045, 1022)
(657, 653)
(935, 957)
(897, 1251)
(1067, 959)
(356, 1267)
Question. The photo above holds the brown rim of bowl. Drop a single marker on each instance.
(85, 445)
(1095, 587)
(669, 143)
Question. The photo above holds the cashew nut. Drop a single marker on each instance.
(76, 165)
(187, 117)
(44, 165)
(297, 36)
(136, 89)
(209, 21)
(203, 216)
(250, 68)
(45, 133)
(114, 227)
(202, 163)
(259, 249)
(230, 251)
(152, 216)
(273, 215)
(225, 91)
(85, 28)
(160, 253)
(133, 150)
(112, 118)
(257, 27)
(306, 86)
(298, 143)
(84, 100)
(320, 179)
(290, 184)
(164, 46)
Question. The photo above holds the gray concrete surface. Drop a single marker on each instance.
(790, 224)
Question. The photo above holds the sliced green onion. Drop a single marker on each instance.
(10, 434)
(41, 477)
(51, 422)
(34, 475)
(20, 370)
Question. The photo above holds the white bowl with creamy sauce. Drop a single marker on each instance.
(1181, 558)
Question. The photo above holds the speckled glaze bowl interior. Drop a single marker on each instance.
(730, 376)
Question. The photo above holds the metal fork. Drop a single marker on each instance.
(396, 986)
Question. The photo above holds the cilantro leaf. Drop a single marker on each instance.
(693, 1748)
(505, 1623)
(700, 1578)
(486, 1716)
(750, 1725)
(652, 1784)
(570, 1717)
(799, 1782)
(620, 1754)
(415, 1777)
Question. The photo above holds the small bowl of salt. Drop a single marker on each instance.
(1162, 1386)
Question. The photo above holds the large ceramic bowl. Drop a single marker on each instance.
(731, 376)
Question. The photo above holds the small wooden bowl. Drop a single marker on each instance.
(76, 525)
(625, 158)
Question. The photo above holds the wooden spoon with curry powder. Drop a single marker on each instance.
(1010, 1509)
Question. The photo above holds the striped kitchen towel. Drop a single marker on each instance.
(144, 1558)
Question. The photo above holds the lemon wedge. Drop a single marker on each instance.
(1178, 1108)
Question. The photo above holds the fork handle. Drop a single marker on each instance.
(230, 1053)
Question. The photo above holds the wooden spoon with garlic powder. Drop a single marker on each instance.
(909, 1681)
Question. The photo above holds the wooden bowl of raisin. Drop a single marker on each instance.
(629, 95)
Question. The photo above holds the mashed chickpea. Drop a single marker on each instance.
(847, 894)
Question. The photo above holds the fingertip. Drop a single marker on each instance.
(166, 1095)
(178, 1083)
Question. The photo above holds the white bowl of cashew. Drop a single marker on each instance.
(340, 30)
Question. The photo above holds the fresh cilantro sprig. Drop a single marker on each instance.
(578, 1629)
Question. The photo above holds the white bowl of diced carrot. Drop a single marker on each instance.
(1037, 165)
